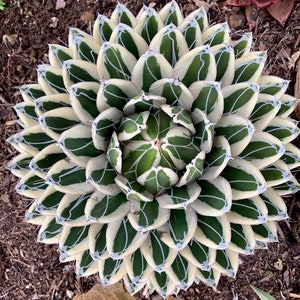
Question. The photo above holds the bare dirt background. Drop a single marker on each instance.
(32, 271)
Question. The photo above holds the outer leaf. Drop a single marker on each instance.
(146, 216)
(97, 241)
(208, 98)
(216, 35)
(115, 93)
(76, 70)
(104, 208)
(291, 156)
(199, 255)
(148, 23)
(248, 211)
(249, 68)
(263, 149)
(45, 159)
(83, 97)
(111, 270)
(73, 240)
(200, 16)
(227, 262)
(242, 239)
(56, 121)
(77, 144)
(85, 265)
(50, 231)
(285, 130)
(19, 166)
(265, 110)
(197, 64)
(170, 42)
(31, 185)
(70, 210)
(101, 175)
(123, 238)
(122, 14)
(180, 228)
(157, 254)
(214, 199)
(102, 29)
(224, 56)
(115, 62)
(67, 177)
(240, 99)
(237, 130)
(245, 179)
(272, 85)
(182, 272)
(127, 37)
(242, 46)
(51, 80)
(58, 55)
(213, 232)
(171, 14)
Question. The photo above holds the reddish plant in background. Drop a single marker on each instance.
(280, 10)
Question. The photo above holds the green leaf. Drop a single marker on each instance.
(71, 210)
(170, 42)
(76, 70)
(237, 130)
(57, 121)
(171, 14)
(216, 34)
(85, 264)
(58, 55)
(242, 46)
(179, 197)
(77, 144)
(115, 62)
(104, 208)
(248, 211)
(215, 197)
(157, 254)
(31, 92)
(68, 177)
(101, 175)
(122, 14)
(245, 179)
(191, 32)
(102, 29)
(124, 239)
(85, 49)
(180, 228)
(111, 270)
(127, 37)
(240, 99)
(31, 185)
(200, 15)
(50, 231)
(196, 65)
(115, 93)
(213, 232)
(242, 239)
(249, 67)
(261, 294)
(146, 216)
(208, 98)
(83, 97)
(73, 239)
(51, 79)
(148, 24)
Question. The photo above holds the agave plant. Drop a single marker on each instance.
(154, 149)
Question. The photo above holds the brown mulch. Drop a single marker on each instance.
(32, 271)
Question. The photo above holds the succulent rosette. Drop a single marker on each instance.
(154, 149)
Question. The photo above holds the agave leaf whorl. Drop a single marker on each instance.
(155, 150)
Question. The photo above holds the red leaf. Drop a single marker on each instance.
(281, 10)
(260, 4)
(241, 3)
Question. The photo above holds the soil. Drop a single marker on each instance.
(32, 271)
